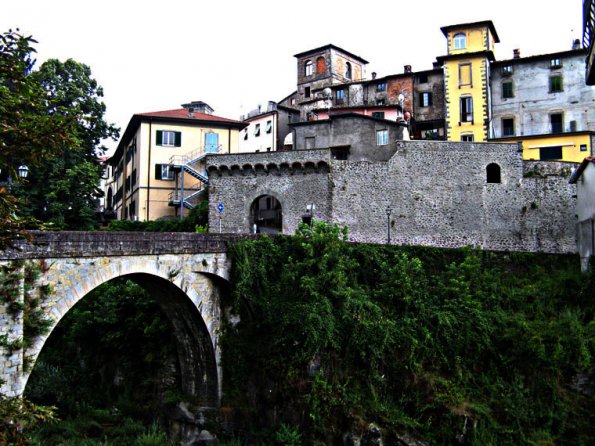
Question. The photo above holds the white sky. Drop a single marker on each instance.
(151, 55)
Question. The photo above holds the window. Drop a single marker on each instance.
(555, 62)
(246, 134)
(169, 138)
(164, 172)
(257, 130)
(307, 92)
(557, 122)
(381, 137)
(320, 65)
(507, 126)
(550, 153)
(423, 79)
(381, 86)
(465, 74)
(211, 142)
(308, 68)
(340, 95)
(378, 115)
(381, 101)
(348, 73)
(507, 91)
(467, 137)
(460, 41)
(555, 84)
(506, 70)
(493, 173)
(583, 147)
(467, 109)
(425, 99)
(269, 127)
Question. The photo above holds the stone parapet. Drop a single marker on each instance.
(93, 244)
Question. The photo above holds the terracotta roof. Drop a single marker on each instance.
(182, 113)
(488, 23)
(577, 173)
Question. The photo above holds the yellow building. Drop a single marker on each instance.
(470, 50)
(157, 170)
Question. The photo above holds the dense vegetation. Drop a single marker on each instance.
(108, 367)
(443, 345)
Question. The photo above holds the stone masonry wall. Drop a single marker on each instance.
(438, 193)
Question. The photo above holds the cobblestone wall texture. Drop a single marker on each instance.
(438, 193)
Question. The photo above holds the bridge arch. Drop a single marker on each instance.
(186, 287)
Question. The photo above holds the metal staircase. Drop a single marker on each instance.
(193, 164)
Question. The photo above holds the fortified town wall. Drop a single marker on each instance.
(438, 191)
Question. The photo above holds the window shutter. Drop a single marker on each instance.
(429, 99)
(159, 137)
(157, 171)
(178, 139)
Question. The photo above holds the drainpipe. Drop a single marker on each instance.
(229, 140)
(149, 168)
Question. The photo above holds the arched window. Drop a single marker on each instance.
(320, 65)
(265, 215)
(109, 202)
(493, 173)
(308, 68)
(348, 73)
(460, 41)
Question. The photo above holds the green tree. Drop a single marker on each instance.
(65, 192)
(28, 133)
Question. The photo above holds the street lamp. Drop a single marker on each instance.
(388, 212)
(23, 171)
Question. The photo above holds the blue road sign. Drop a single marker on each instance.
(220, 207)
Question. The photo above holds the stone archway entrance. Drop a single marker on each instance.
(266, 215)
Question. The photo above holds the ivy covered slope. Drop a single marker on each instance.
(445, 346)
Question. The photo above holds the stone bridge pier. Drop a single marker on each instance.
(185, 273)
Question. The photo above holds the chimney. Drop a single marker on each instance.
(576, 45)
(516, 53)
(198, 107)
(407, 68)
(373, 75)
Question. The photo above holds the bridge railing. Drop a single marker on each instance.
(94, 244)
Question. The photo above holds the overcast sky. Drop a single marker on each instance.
(154, 55)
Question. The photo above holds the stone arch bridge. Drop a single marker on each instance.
(186, 273)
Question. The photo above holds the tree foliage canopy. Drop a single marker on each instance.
(52, 120)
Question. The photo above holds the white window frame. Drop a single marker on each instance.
(382, 137)
(467, 137)
(269, 126)
(168, 138)
(257, 130)
(308, 68)
(167, 173)
(459, 41)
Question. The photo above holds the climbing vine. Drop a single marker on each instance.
(443, 345)
(21, 294)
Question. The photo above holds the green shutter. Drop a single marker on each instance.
(159, 137)
(178, 139)
(158, 168)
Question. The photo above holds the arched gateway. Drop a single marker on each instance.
(184, 272)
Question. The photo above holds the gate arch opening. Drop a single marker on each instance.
(266, 215)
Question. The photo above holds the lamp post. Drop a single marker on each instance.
(23, 171)
(388, 212)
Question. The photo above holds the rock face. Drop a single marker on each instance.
(188, 425)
